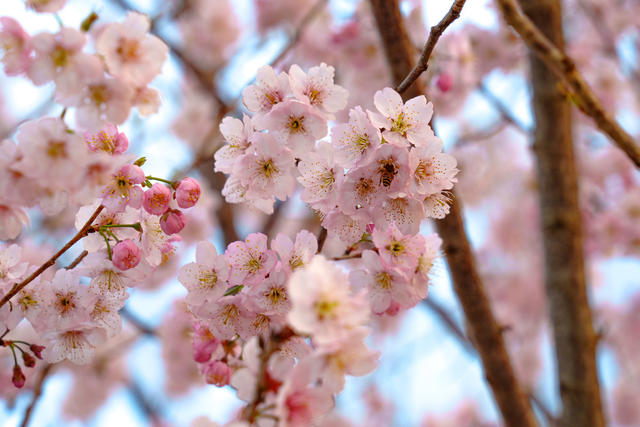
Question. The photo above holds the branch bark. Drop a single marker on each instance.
(549, 51)
(486, 332)
(37, 393)
(575, 339)
(79, 235)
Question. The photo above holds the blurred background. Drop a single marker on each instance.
(429, 373)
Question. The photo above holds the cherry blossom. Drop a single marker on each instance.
(205, 279)
(16, 45)
(270, 89)
(250, 260)
(316, 87)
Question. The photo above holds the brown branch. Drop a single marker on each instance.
(37, 393)
(79, 235)
(434, 36)
(135, 321)
(574, 337)
(487, 334)
(77, 261)
(565, 68)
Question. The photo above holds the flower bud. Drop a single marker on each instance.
(126, 254)
(156, 199)
(18, 378)
(444, 82)
(217, 372)
(187, 193)
(172, 221)
(29, 360)
(37, 350)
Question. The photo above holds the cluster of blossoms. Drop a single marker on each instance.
(129, 233)
(102, 86)
(383, 168)
(293, 321)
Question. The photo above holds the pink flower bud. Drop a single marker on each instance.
(18, 378)
(217, 372)
(187, 193)
(126, 254)
(29, 360)
(37, 350)
(156, 199)
(394, 308)
(444, 82)
(172, 221)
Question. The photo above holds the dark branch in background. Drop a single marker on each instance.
(135, 321)
(484, 329)
(77, 261)
(37, 393)
(79, 235)
(574, 338)
(434, 36)
(502, 109)
(149, 408)
(565, 68)
(36, 113)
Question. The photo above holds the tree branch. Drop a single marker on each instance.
(574, 337)
(37, 393)
(434, 36)
(565, 68)
(486, 332)
(79, 235)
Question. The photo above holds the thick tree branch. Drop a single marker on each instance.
(565, 68)
(434, 36)
(79, 235)
(575, 340)
(486, 332)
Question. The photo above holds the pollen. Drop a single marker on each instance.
(384, 280)
(296, 124)
(396, 248)
(207, 279)
(268, 168)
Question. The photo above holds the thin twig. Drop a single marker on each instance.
(37, 393)
(561, 64)
(434, 36)
(135, 321)
(79, 235)
(450, 323)
(77, 261)
(502, 109)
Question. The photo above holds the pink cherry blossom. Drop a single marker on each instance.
(250, 260)
(384, 283)
(295, 124)
(217, 373)
(268, 90)
(397, 249)
(12, 219)
(320, 177)
(204, 343)
(11, 267)
(348, 228)
(316, 87)
(16, 45)
(130, 52)
(270, 296)
(187, 193)
(108, 139)
(205, 279)
(267, 172)
(355, 140)
(227, 317)
(323, 305)
(102, 100)
(51, 155)
(403, 123)
(156, 199)
(432, 170)
(405, 212)
(59, 57)
(67, 301)
(77, 345)
(237, 135)
(108, 279)
(298, 254)
(126, 254)
(124, 189)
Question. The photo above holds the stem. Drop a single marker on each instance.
(166, 181)
(77, 261)
(135, 226)
(106, 240)
(79, 235)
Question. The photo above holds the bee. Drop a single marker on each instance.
(387, 170)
